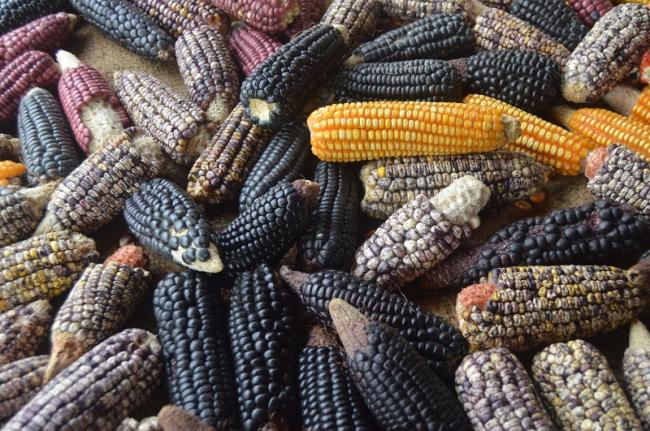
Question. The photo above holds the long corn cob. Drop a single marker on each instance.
(498, 395)
(15, 13)
(21, 210)
(23, 329)
(172, 418)
(415, 9)
(580, 390)
(19, 382)
(266, 15)
(636, 371)
(9, 147)
(591, 11)
(250, 47)
(178, 16)
(358, 18)
(370, 130)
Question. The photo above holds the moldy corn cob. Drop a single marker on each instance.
(358, 18)
(250, 46)
(415, 9)
(19, 382)
(172, 418)
(591, 11)
(21, 210)
(15, 13)
(23, 329)
(636, 371)
(266, 15)
(179, 16)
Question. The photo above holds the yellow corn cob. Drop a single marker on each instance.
(9, 169)
(350, 132)
(545, 142)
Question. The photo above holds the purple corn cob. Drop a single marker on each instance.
(251, 47)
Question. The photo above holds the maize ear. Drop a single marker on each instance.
(15, 13)
(591, 11)
(19, 382)
(250, 47)
(309, 14)
(358, 18)
(23, 329)
(266, 15)
(178, 16)
(636, 371)
(415, 9)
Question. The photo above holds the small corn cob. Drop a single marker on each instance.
(351, 132)
(266, 230)
(147, 424)
(176, 123)
(15, 13)
(391, 183)
(579, 389)
(415, 9)
(636, 371)
(172, 418)
(126, 25)
(9, 147)
(42, 267)
(358, 18)
(279, 88)
(644, 68)
(439, 36)
(263, 341)
(440, 344)
(10, 169)
(178, 16)
(23, 329)
(410, 395)
(21, 210)
(526, 306)
(31, 69)
(191, 324)
(498, 395)
(113, 379)
(266, 15)
(94, 113)
(283, 160)
(164, 218)
(250, 47)
(48, 149)
(591, 11)
(19, 382)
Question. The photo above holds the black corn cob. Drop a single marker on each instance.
(21, 209)
(19, 382)
(264, 346)
(191, 319)
(15, 13)
(23, 329)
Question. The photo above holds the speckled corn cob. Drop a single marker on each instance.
(580, 390)
(421, 234)
(591, 11)
(23, 329)
(21, 210)
(113, 379)
(94, 113)
(498, 395)
(416, 9)
(147, 424)
(266, 15)
(9, 147)
(636, 371)
(15, 13)
(191, 320)
(250, 47)
(42, 267)
(410, 395)
(359, 18)
(172, 418)
(176, 123)
(178, 16)
(19, 382)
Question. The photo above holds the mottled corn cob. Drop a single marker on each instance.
(10, 169)
(264, 346)
(410, 395)
(283, 160)
(191, 320)
(42, 267)
(644, 68)
(176, 123)
(19, 382)
(172, 418)
(15, 13)
(147, 424)
(416, 9)
(113, 380)
(9, 147)
(580, 390)
(178, 16)
(266, 15)
(21, 210)
(23, 329)
(251, 47)
(126, 25)
(94, 113)
(591, 11)
(358, 18)
(48, 149)
(164, 218)
(636, 371)
(498, 395)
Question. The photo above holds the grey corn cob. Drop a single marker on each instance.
(147, 424)
(580, 390)
(359, 18)
(416, 9)
(636, 371)
(23, 330)
(19, 382)
(498, 394)
(421, 234)
(113, 380)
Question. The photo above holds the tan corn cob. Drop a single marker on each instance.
(23, 329)
(415, 9)
(636, 371)
(146, 424)
(19, 382)
(9, 147)
(359, 18)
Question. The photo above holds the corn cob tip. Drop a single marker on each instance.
(576, 92)
(65, 350)
(353, 60)
(129, 254)
(511, 128)
(67, 60)
(308, 190)
(622, 98)
(72, 21)
(262, 110)
(294, 279)
(474, 9)
(344, 32)
(595, 160)
(40, 307)
(172, 418)
(349, 324)
(462, 200)
(639, 337)
(562, 114)
(474, 295)
(48, 224)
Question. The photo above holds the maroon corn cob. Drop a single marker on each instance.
(178, 16)
(272, 16)
(251, 47)
(309, 13)
(591, 11)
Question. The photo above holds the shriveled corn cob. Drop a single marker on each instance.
(10, 169)
(19, 382)
(266, 15)
(644, 68)
(498, 395)
(23, 329)
(591, 11)
(359, 18)
(178, 16)
(9, 147)
(15, 13)
(580, 390)
(21, 210)
(150, 423)
(172, 418)
(416, 9)
(636, 371)
(250, 47)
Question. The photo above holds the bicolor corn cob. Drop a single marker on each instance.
(351, 132)
(580, 390)
(19, 382)
(607, 54)
(391, 183)
(358, 18)
(9, 147)
(15, 13)
(250, 47)
(42, 267)
(10, 169)
(221, 169)
(172, 418)
(208, 71)
(178, 16)
(21, 210)
(440, 344)
(23, 329)
(415, 9)
(644, 68)
(94, 113)
(178, 124)
(410, 395)
(48, 149)
(164, 218)
(636, 371)
(498, 395)
(591, 11)
(113, 379)
(147, 424)
(262, 331)
(282, 161)
(126, 25)
(266, 15)
(526, 306)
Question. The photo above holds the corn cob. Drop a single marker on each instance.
(391, 183)
(526, 306)
(266, 230)
(23, 329)
(440, 36)
(129, 254)
(370, 130)
(147, 424)
(580, 390)
(644, 68)
(636, 371)
(48, 150)
(164, 218)
(498, 395)
(94, 113)
(15, 13)
(266, 15)
(176, 123)
(309, 13)
(178, 16)
(191, 325)
(250, 47)
(591, 11)
(262, 331)
(19, 382)
(113, 379)
(283, 160)
(358, 18)
(410, 395)
(31, 69)
(498, 4)
(172, 418)
(10, 169)
(126, 25)
(9, 147)
(415, 9)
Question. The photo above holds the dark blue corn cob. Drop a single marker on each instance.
(14, 13)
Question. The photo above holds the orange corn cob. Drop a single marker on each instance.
(9, 169)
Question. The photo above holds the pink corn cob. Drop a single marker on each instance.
(31, 69)
(267, 15)
(590, 11)
(250, 47)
